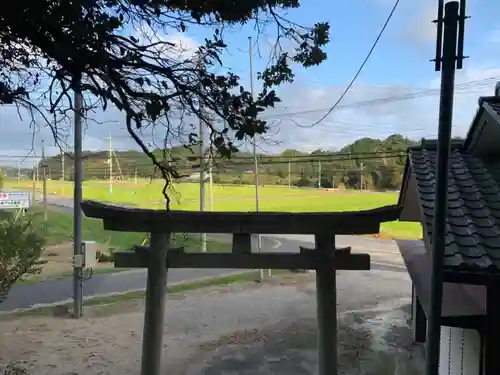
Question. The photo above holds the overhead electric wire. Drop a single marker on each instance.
(225, 164)
(360, 69)
(326, 155)
(388, 100)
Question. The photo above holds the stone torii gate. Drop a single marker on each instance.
(158, 257)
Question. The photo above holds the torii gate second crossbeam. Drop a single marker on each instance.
(158, 257)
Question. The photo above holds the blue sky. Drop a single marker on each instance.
(399, 65)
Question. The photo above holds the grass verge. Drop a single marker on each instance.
(59, 229)
(185, 286)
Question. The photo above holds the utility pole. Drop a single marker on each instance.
(447, 62)
(289, 174)
(77, 211)
(110, 159)
(135, 176)
(18, 172)
(319, 174)
(62, 166)
(44, 182)
(203, 236)
(255, 160)
(34, 185)
(211, 185)
(361, 176)
(210, 177)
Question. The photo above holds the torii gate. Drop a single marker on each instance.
(158, 257)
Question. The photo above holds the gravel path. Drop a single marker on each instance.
(254, 329)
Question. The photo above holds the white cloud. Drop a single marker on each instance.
(415, 118)
(178, 45)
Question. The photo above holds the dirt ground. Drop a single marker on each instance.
(245, 329)
(58, 260)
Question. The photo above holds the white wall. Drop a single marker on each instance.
(470, 351)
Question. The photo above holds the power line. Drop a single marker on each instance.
(391, 99)
(361, 66)
(263, 156)
(225, 164)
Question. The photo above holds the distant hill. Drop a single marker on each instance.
(367, 162)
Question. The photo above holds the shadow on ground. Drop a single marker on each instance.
(371, 342)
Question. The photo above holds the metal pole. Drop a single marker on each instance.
(18, 172)
(255, 160)
(319, 174)
(210, 179)
(62, 166)
(110, 158)
(361, 177)
(156, 290)
(77, 211)
(44, 183)
(326, 290)
(203, 236)
(34, 185)
(441, 196)
(289, 174)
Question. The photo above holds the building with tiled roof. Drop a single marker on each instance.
(471, 293)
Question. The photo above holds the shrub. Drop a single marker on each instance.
(13, 369)
(21, 245)
(303, 182)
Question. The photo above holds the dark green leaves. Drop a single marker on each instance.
(21, 245)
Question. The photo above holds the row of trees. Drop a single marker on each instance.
(367, 163)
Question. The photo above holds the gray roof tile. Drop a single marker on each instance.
(473, 221)
(494, 103)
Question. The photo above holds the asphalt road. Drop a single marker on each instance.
(384, 256)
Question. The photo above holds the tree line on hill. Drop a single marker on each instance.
(367, 163)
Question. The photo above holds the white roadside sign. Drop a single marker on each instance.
(14, 199)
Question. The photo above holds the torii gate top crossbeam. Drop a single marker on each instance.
(124, 219)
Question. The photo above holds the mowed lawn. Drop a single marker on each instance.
(185, 196)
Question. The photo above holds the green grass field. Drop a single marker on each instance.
(59, 229)
(185, 196)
